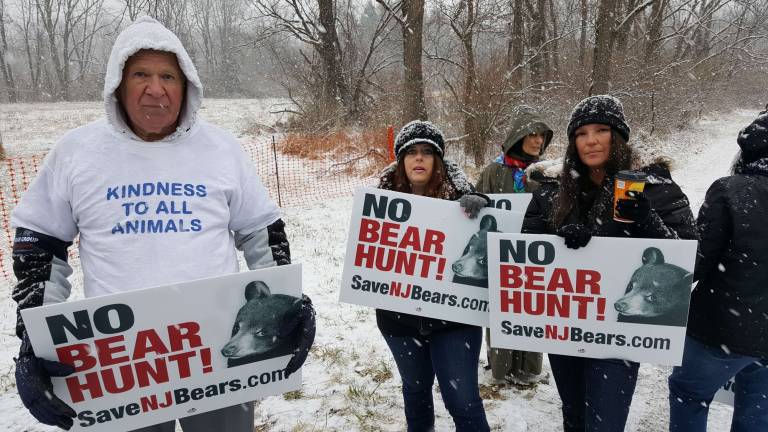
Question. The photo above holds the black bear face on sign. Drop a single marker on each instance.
(256, 332)
(658, 293)
(472, 267)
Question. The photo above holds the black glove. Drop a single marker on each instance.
(576, 235)
(33, 382)
(637, 209)
(472, 203)
(302, 321)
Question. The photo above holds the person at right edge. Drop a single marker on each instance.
(526, 141)
(727, 332)
(596, 393)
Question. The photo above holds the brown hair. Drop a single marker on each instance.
(575, 173)
(437, 187)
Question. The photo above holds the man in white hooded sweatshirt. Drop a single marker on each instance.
(111, 182)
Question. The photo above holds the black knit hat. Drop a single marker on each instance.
(753, 139)
(417, 132)
(601, 109)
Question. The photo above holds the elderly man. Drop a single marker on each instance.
(99, 181)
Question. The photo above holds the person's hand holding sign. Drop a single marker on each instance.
(576, 235)
(305, 319)
(473, 203)
(33, 382)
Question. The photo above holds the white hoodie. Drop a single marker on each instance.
(148, 213)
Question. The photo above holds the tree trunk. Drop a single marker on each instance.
(2, 149)
(473, 126)
(540, 64)
(10, 85)
(515, 51)
(555, 45)
(415, 107)
(335, 91)
(604, 37)
(583, 37)
(653, 35)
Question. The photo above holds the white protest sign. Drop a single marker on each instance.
(615, 298)
(148, 356)
(517, 203)
(422, 256)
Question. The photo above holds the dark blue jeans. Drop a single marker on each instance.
(596, 393)
(704, 370)
(452, 355)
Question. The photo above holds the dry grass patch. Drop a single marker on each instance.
(361, 153)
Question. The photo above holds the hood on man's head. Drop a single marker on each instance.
(148, 34)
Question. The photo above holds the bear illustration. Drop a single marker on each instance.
(472, 267)
(256, 332)
(658, 293)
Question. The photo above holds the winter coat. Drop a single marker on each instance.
(671, 215)
(499, 177)
(729, 306)
(401, 324)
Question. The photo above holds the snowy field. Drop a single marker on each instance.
(350, 380)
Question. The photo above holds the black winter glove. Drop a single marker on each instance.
(576, 235)
(472, 203)
(637, 210)
(304, 321)
(33, 382)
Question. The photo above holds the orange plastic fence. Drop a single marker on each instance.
(291, 180)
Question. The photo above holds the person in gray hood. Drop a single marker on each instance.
(527, 139)
(150, 147)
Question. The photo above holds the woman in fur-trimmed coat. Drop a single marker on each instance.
(425, 348)
(596, 393)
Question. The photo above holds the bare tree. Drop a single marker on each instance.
(315, 25)
(5, 68)
(2, 149)
(516, 48)
(412, 22)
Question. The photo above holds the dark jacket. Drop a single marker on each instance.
(671, 215)
(498, 177)
(402, 324)
(729, 306)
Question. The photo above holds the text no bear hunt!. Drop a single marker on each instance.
(587, 302)
(423, 256)
(139, 362)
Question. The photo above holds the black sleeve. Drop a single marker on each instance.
(40, 266)
(266, 247)
(671, 216)
(715, 228)
(536, 220)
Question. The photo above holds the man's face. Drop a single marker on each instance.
(152, 93)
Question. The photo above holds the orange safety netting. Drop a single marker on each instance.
(299, 169)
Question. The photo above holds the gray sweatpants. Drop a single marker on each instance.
(237, 418)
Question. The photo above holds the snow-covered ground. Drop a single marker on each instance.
(350, 380)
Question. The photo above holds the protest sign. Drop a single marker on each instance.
(615, 298)
(144, 357)
(422, 256)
